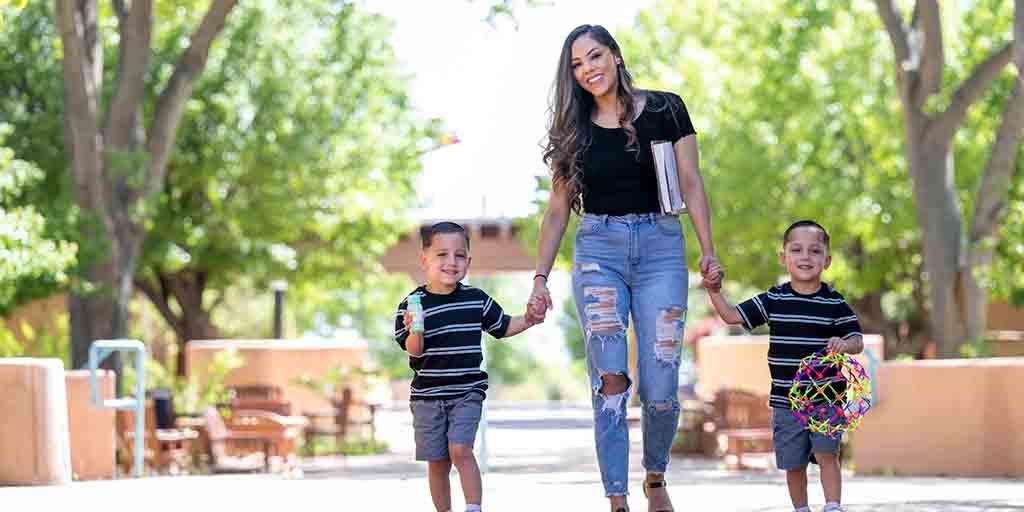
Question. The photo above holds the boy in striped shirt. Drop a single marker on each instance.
(448, 388)
(804, 316)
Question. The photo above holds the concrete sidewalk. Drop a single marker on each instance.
(540, 458)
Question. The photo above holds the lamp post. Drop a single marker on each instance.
(279, 286)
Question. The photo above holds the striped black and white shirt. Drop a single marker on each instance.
(452, 327)
(799, 325)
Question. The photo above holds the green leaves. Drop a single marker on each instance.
(30, 261)
(797, 117)
(295, 157)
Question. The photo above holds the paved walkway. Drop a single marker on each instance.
(539, 459)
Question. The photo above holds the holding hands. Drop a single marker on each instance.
(712, 272)
(540, 299)
(536, 310)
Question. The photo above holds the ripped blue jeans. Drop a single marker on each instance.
(632, 266)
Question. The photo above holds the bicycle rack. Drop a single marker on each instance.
(100, 350)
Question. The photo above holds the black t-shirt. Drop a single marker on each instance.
(450, 364)
(799, 325)
(618, 180)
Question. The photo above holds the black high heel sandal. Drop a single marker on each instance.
(656, 485)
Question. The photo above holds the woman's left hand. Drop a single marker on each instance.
(706, 261)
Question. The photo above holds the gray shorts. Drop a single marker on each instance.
(795, 445)
(439, 422)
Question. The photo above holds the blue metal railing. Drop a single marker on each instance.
(872, 372)
(98, 351)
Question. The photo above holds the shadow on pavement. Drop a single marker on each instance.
(924, 506)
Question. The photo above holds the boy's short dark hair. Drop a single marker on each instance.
(806, 223)
(427, 234)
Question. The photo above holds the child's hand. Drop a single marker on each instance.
(712, 281)
(532, 319)
(837, 345)
(535, 311)
(407, 320)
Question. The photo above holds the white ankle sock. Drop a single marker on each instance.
(833, 506)
(804, 508)
(472, 507)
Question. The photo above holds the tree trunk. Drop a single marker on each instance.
(90, 315)
(187, 289)
(973, 296)
(199, 327)
(110, 181)
(938, 214)
(957, 301)
(872, 318)
(91, 304)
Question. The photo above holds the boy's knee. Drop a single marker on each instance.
(826, 458)
(460, 453)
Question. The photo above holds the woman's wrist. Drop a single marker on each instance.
(542, 277)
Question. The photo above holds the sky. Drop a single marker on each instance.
(490, 86)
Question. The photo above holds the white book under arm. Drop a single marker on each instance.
(670, 194)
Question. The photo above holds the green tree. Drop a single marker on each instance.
(31, 263)
(274, 175)
(302, 175)
(122, 116)
(957, 249)
(794, 103)
(118, 144)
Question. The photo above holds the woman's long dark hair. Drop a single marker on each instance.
(569, 130)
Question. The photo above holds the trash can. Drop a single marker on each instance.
(163, 406)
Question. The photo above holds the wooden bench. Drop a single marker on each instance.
(166, 451)
(742, 423)
(279, 407)
(337, 421)
(250, 439)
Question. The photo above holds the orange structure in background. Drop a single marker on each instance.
(953, 417)
(34, 440)
(280, 362)
(91, 426)
(494, 243)
(741, 362)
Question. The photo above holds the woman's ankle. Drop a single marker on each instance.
(618, 502)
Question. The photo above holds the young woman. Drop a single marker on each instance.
(629, 259)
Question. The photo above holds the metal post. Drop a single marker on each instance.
(872, 373)
(279, 288)
(483, 415)
(98, 351)
(481, 447)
